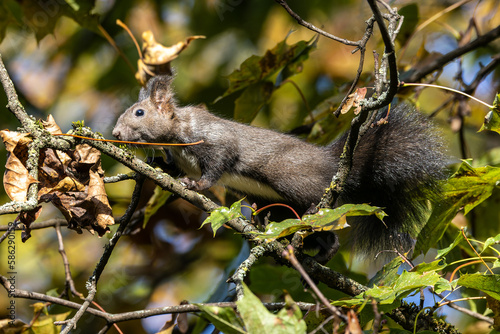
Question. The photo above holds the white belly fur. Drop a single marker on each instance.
(249, 186)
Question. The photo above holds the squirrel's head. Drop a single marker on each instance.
(153, 117)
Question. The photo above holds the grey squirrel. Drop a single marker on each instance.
(396, 165)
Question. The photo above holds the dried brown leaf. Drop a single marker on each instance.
(16, 179)
(97, 194)
(26, 218)
(51, 126)
(87, 154)
(353, 101)
(353, 326)
(156, 57)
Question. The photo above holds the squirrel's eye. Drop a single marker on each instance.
(139, 112)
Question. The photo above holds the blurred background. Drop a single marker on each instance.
(69, 70)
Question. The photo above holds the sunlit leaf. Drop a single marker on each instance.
(388, 273)
(222, 215)
(491, 241)
(492, 119)
(465, 189)
(256, 317)
(45, 323)
(223, 318)
(324, 220)
(443, 252)
(391, 296)
(489, 284)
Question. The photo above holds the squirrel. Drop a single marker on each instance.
(396, 165)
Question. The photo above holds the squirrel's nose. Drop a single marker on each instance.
(116, 133)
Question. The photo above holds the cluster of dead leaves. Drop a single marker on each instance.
(71, 180)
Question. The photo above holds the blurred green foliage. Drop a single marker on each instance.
(61, 64)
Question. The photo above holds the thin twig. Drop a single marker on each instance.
(71, 323)
(312, 27)
(295, 263)
(38, 225)
(9, 228)
(70, 284)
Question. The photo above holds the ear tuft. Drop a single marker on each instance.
(159, 91)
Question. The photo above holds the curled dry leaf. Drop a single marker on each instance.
(72, 181)
(16, 179)
(156, 57)
(51, 126)
(353, 101)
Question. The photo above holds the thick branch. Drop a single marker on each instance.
(13, 100)
(386, 97)
(418, 74)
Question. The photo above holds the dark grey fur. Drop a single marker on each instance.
(396, 165)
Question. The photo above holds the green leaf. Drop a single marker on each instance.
(42, 16)
(45, 323)
(391, 296)
(443, 285)
(443, 252)
(224, 319)
(257, 69)
(325, 219)
(492, 119)
(388, 273)
(434, 266)
(253, 98)
(410, 281)
(156, 201)
(222, 215)
(470, 186)
(489, 284)
(411, 15)
(465, 189)
(259, 320)
(491, 241)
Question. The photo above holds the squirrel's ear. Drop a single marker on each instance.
(160, 92)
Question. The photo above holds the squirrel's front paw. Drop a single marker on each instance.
(195, 185)
(190, 184)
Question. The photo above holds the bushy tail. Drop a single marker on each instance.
(396, 166)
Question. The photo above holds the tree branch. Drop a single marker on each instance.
(310, 26)
(134, 315)
(417, 74)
